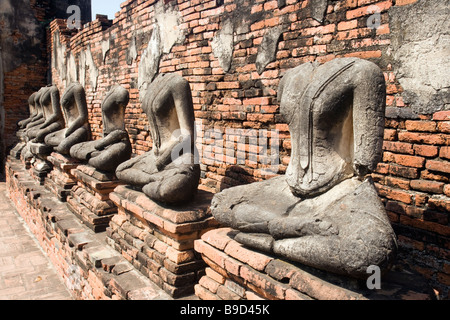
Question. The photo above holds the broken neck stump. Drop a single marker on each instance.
(159, 239)
(89, 199)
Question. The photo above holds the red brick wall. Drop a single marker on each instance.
(413, 179)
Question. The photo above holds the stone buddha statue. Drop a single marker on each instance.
(115, 147)
(168, 173)
(30, 130)
(26, 124)
(74, 107)
(325, 211)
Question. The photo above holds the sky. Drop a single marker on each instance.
(107, 7)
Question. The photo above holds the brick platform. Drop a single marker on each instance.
(60, 181)
(91, 269)
(238, 273)
(159, 240)
(89, 199)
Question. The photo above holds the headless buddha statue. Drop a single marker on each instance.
(53, 116)
(325, 212)
(115, 147)
(168, 173)
(74, 107)
(33, 113)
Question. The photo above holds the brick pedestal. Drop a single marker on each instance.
(60, 181)
(89, 199)
(238, 273)
(39, 169)
(159, 240)
(17, 150)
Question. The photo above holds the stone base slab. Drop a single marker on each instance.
(237, 273)
(40, 149)
(159, 240)
(17, 150)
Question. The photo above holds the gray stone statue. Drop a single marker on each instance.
(325, 212)
(168, 173)
(54, 121)
(115, 147)
(32, 128)
(77, 128)
(33, 113)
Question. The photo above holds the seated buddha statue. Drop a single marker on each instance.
(115, 147)
(325, 211)
(74, 107)
(37, 119)
(53, 121)
(168, 173)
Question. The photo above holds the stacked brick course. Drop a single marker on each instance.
(60, 180)
(413, 181)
